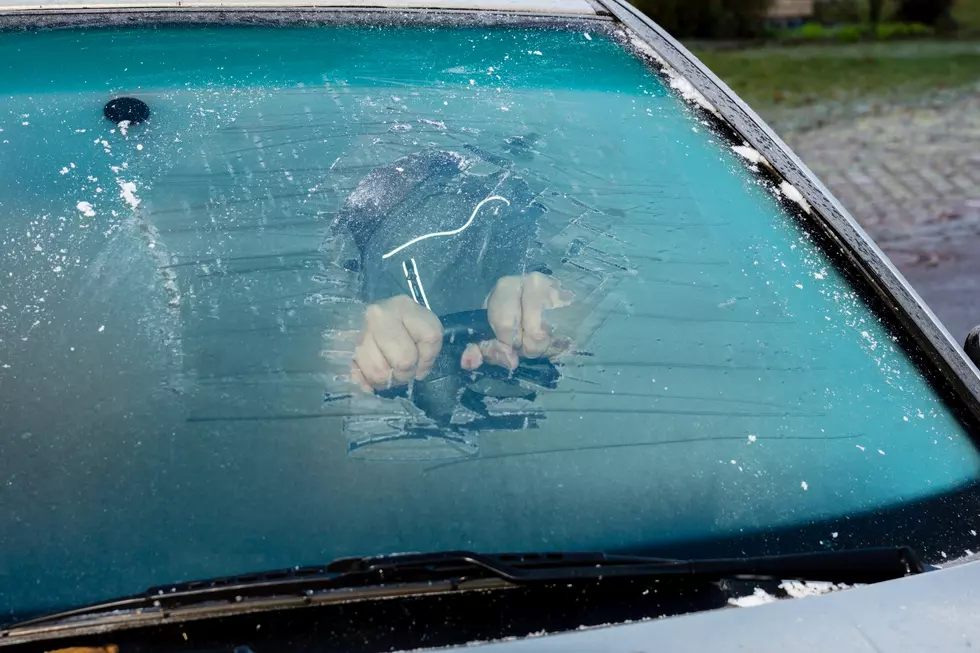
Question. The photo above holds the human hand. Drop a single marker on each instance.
(399, 342)
(515, 308)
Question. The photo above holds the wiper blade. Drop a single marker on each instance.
(445, 571)
(868, 565)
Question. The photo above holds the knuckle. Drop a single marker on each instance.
(432, 335)
(404, 361)
(374, 313)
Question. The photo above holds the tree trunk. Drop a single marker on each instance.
(874, 11)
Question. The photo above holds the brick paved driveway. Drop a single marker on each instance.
(911, 177)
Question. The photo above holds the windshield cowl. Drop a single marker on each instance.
(373, 578)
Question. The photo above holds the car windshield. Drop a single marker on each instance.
(184, 285)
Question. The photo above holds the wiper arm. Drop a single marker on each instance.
(868, 565)
(450, 570)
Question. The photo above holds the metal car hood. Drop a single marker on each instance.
(935, 611)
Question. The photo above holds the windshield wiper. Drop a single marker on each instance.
(416, 573)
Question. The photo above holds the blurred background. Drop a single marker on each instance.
(881, 99)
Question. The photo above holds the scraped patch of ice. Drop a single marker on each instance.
(438, 124)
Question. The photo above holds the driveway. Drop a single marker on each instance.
(911, 176)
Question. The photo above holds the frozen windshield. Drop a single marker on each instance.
(182, 296)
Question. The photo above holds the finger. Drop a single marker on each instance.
(374, 367)
(472, 357)
(425, 330)
(504, 311)
(357, 377)
(400, 352)
(539, 294)
(499, 353)
(393, 341)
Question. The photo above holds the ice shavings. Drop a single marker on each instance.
(677, 82)
(793, 195)
(758, 597)
(802, 589)
(438, 124)
(751, 155)
(127, 191)
(86, 209)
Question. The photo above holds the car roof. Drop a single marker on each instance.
(575, 7)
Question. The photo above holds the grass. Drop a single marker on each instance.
(807, 74)
(813, 32)
(967, 14)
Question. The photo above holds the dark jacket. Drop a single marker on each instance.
(437, 191)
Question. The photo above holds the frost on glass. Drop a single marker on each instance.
(178, 310)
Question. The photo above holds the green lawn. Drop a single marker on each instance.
(808, 74)
(967, 14)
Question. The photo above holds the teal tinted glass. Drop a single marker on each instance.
(178, 312)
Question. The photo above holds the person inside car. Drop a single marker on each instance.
(435, 236)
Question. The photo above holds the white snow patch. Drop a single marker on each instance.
(64, 170)
(127, 191)
(752, 438)
(139, 146)
(678, 83)
(86, 209)
(123, 126)
(793, 195)
(750, 154)
(804, 486)
(758, 597)
(588, 37)
(802, 589)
